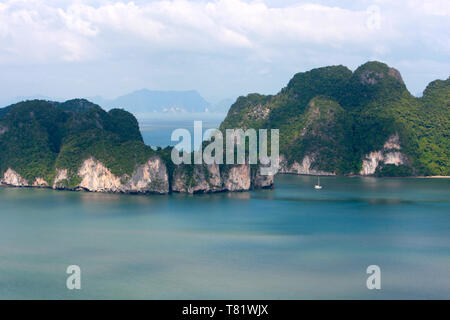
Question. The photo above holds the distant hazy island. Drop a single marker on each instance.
(332, 121)
(148, 101)
(145, 102)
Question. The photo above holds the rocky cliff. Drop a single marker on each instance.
(390, 154)
(197, 179)
(305, 167)
(212, 178)
(151, 177)
(76, 145)
(12, 178)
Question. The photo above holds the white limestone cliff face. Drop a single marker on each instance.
(205, 178)
(390, 154)
(96, 177)
(392, 143)
(61, 175)
(209, 178)
(396, 158)
(150, 177)
(370, 163)
(302, 168)
(12, 178)
(237, 178)
(214, 177)
(40, 182)
(262, 181)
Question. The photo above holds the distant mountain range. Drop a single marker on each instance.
(148, 101)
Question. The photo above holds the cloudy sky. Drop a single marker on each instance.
(222, 48)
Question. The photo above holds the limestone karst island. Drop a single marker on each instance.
(332, 121)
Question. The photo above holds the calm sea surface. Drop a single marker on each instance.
(289, 242)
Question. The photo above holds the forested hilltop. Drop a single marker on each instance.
(76, 145)
(38, 136)
(335, 121)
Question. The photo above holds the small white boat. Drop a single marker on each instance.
(318, 186)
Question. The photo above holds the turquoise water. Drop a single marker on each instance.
(290, 242)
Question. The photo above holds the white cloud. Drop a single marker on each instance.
(86, 29)
(433, 7)
(239, 36)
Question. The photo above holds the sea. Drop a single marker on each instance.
(289, 242)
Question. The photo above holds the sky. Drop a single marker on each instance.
(221, 48)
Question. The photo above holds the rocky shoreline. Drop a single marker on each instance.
(198, 190)
(389, 154)
(153, 176)
(150, 178)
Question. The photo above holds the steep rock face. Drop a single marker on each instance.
(260, 181)
(390, 154)
(40, 182)
(214, 177)
(61, 176)
(12, 178)
(150, 177)
(396, 74)
(393, 142)
(370, 77)
(370, 163)
(96, 177)
(199, 179)
(210, 178)
(301, 168)
(237, 178)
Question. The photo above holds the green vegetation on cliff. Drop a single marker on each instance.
(37, 137)
(339, 116)
(331, 114)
